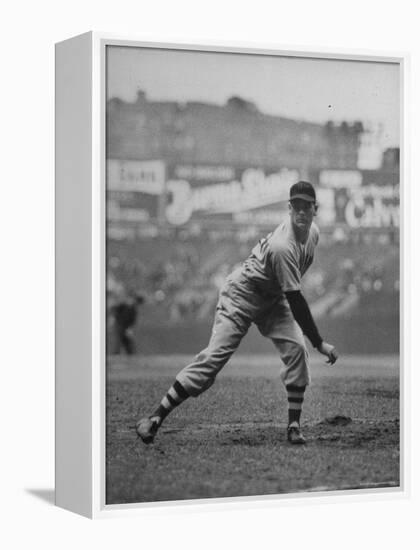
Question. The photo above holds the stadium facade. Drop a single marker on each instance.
(172, 164)
(190, 187)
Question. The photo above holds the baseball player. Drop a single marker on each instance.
(265, 290)
(124, 313)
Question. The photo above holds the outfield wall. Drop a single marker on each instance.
(349, 335)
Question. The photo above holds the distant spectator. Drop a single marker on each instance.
(124, 315)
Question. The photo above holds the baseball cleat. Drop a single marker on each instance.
(294, 435)
(146, 429)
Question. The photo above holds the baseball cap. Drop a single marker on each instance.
(303, 190)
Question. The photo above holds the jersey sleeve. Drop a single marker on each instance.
(286, 269)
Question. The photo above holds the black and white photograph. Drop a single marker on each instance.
(252, 274)
(210, 275)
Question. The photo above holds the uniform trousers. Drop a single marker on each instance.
(240, 304)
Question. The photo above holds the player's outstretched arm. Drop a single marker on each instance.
(304, 319)
(329, 351)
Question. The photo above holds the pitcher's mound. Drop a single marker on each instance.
(337, 420)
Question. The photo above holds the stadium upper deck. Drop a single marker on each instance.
(210, 166)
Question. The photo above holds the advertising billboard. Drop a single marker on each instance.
(175, 195)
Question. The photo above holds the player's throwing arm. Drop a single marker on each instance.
(329, 351)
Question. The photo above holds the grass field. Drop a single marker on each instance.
(231, 440)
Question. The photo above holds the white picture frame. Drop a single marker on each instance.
(80, 272)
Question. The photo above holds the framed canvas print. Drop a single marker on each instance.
(229, 253)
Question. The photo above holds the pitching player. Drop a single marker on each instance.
(265, 290)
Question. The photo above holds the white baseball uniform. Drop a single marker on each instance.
(255, 293)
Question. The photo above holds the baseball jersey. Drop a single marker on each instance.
(279, 261)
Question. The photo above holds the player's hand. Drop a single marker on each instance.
(329, 351)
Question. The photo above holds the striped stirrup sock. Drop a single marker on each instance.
(175, 396)
(295, 398)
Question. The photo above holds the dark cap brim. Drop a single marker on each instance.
(303, 196)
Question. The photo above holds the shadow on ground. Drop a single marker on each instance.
(47, 495)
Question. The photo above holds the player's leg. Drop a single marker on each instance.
(125, 341)
(116, 340)
(198, 376)
(121, 341)
(288, 338)
(129, 342)
(295, 376)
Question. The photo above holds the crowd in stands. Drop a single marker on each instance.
(181, 279)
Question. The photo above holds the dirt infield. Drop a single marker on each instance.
(231, 440)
